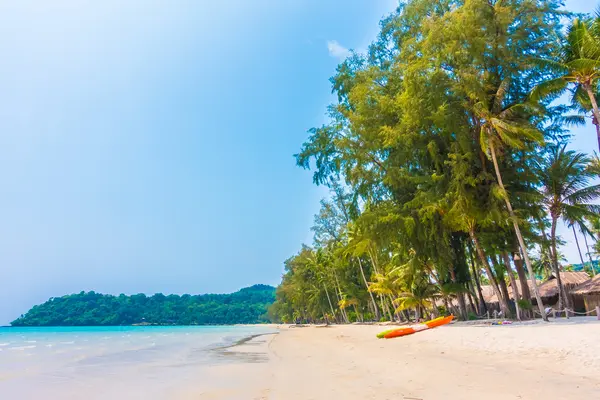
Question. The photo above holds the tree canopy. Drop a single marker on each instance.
(246, 306)
(432, 153)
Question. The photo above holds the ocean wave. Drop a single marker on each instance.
(22, 347)
(4, 344)
(67, 342)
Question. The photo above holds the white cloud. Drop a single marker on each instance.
(337, 50)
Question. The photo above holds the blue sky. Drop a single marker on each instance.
(148, 148)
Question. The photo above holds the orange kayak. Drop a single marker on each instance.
(417, 328)
(400, 332)
(434, 323)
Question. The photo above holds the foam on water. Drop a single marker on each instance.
(114, 362)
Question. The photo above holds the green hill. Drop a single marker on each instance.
(246, 306)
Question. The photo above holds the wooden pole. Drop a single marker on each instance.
(598, 312)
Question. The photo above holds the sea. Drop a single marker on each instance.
(132, 362)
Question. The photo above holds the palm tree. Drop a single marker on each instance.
(571, 224)
(578, 68)
(418, 296)
(411, 280)
(588, 252)
(585, 231)
(356, 249)
(346, 302)
(565, 177)
(509, 126)
(317, 261)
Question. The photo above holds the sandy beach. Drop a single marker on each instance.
(549, 361)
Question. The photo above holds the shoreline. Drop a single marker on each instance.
(241, 342)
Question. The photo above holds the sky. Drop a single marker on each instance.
(148, 146)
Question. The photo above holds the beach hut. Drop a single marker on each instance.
(570, 279)
(548, 289)
(518, 282)
(490, 298)
(589, 293)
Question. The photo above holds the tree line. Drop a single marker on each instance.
(446, 154)
(246, 306)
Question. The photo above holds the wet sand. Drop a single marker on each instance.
(549, 361)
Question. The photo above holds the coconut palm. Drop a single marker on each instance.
(565, 177)
(356, 250)
(383, 286)
(419, 296)
(345, 302)
(317, 261)
(579, 69)
(508, 126)
(585, 231)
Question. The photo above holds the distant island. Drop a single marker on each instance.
(246, 306)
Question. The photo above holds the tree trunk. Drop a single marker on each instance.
(462, 306)
(362, 272)
(596, 111)
(502, 284)
(578, 248)
(521, 273)
(562, 296)
(329, 300)
(517, 230)
(548, 248)
(486, 265)
(589, 254)
(358, 315)
(385, 308)
(340, 297)
(324, 316)
(373, 261)
(462, 309)
(406, 315)
(482, 305)
(513, 283)
(396, 315)
(470, 297)
(445, 299)
(434, 311)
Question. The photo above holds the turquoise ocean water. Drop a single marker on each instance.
(110, 362)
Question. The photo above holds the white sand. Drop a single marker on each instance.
(549, 361)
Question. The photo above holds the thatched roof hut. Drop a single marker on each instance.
(488, 294)
(569, 279)
(590, 292)
(548, 289)
(592, 286)
(518, 282)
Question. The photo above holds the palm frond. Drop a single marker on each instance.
(551, 88)
(584, 195)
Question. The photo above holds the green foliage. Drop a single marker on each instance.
(576, 70)
(524, 304)
(247, 306)
(433, 153)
